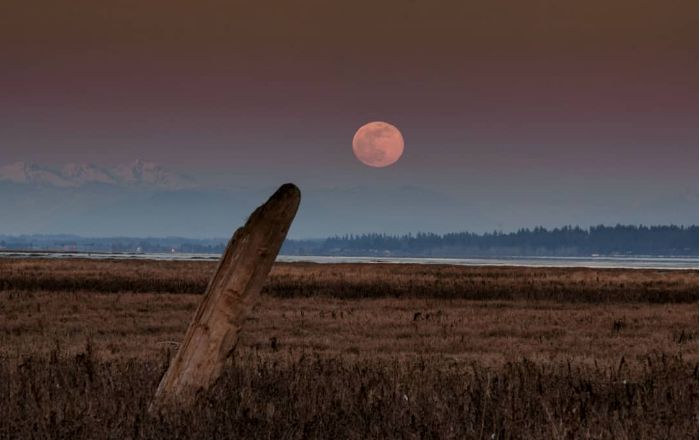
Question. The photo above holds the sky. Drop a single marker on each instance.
(513, 113)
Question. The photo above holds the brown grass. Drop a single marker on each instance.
(355, 351)
(341, 397)
(358, 281)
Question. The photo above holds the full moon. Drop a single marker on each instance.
(377, 144)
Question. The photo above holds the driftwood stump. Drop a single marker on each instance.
(213, 333)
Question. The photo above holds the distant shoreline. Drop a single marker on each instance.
(594, 262)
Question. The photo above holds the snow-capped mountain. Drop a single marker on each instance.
(135, 174)
(31, 173)
(150, 174)
(86, 173)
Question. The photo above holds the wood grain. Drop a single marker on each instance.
(234, 289)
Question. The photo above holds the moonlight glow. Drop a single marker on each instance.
(378, 144)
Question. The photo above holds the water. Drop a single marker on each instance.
(640, 262)
(593, 262)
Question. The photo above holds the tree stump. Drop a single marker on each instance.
(233, 290)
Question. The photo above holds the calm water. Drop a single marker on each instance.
(596, 262)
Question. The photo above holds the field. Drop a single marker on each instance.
(355, 351)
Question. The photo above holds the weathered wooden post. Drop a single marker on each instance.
(213, 333)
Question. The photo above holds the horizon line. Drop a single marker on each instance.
(358, 234)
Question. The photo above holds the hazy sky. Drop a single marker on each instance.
(586, 108)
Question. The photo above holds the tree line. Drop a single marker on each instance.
(564, 241)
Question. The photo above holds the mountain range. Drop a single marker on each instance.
(147, 199)
(138, 174)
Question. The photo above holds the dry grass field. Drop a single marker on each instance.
(355, 351)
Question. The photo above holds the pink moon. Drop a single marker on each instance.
(377, 144)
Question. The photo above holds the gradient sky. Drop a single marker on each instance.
(584, 109)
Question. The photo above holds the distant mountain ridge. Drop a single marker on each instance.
(134, 174)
